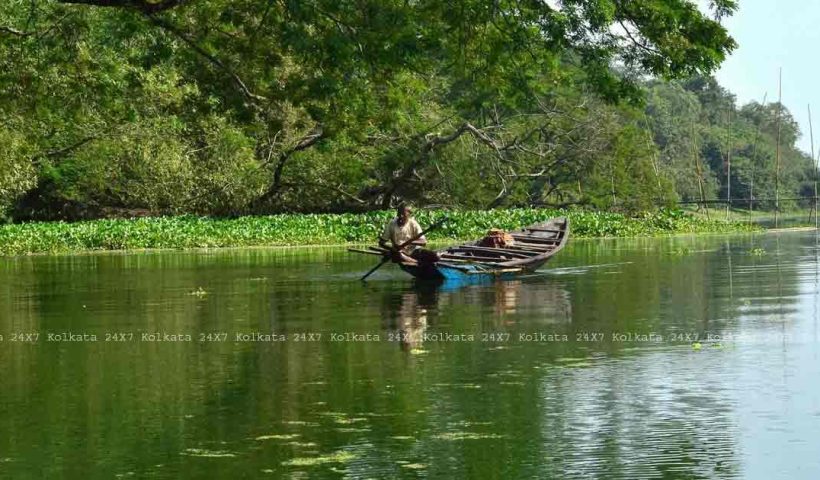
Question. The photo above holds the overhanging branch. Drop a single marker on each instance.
(144, 6)
(637, 43)
(15, 32)
(304, 143)
(35, 33)
(212, 59)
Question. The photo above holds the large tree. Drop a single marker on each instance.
(237, 105)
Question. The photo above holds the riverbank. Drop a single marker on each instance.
(185, 232)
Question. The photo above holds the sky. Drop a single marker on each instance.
(774, 34)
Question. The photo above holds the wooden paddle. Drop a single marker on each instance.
(401, 247)
(368, 252)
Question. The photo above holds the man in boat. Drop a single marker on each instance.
(401, 229)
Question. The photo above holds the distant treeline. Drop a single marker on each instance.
(225, 107)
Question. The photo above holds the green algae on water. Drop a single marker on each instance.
(289, 436)
(201, 452)
(336, 457)
(456, 436)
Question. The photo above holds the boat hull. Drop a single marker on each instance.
(535, 245)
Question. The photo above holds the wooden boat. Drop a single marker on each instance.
(534, 246)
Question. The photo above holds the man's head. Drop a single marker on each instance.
(403, 213)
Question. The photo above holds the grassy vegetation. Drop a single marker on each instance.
(318, 229)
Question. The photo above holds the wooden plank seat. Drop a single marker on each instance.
(546, 230)
(545, 246)
(474, 257)
(530, 248)
(530, 239)
(492, 250)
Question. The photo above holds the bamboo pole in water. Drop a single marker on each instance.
(612, 183)
(650, 144)
(811, 137)
(729, 168)
(754, 161)
(777, 151)
(698, 173)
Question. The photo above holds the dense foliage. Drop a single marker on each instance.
(697, 120)
(326, 229)
(119, 107)
(113, 108)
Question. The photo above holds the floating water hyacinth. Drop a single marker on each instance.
(201, 452)
(302, 444)
(336, 457)
(290, 436)
(190, 231)
(455, 436)
(199, 292)
(467, 423)
(347, 421)
(300, 423)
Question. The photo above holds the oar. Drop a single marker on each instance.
(368, 252)
(401, 247)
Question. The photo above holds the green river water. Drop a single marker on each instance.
(683, 357)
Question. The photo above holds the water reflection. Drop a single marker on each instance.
(640, 417)
(538, 296)
(405, 316)
(408, 314)
(323, 409)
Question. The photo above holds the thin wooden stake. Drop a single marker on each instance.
(754, 161)
(729, 168)
(811, 136)
(696, 158)
(777, 155)
(612, 183)
(650, 144)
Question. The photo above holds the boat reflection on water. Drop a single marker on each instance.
(507, 295)
(410, 314)
(535, 296)
(548, 300)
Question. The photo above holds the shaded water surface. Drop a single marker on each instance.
(674, 358)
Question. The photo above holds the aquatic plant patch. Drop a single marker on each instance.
(186, 232)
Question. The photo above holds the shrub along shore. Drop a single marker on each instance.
(184, 232)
